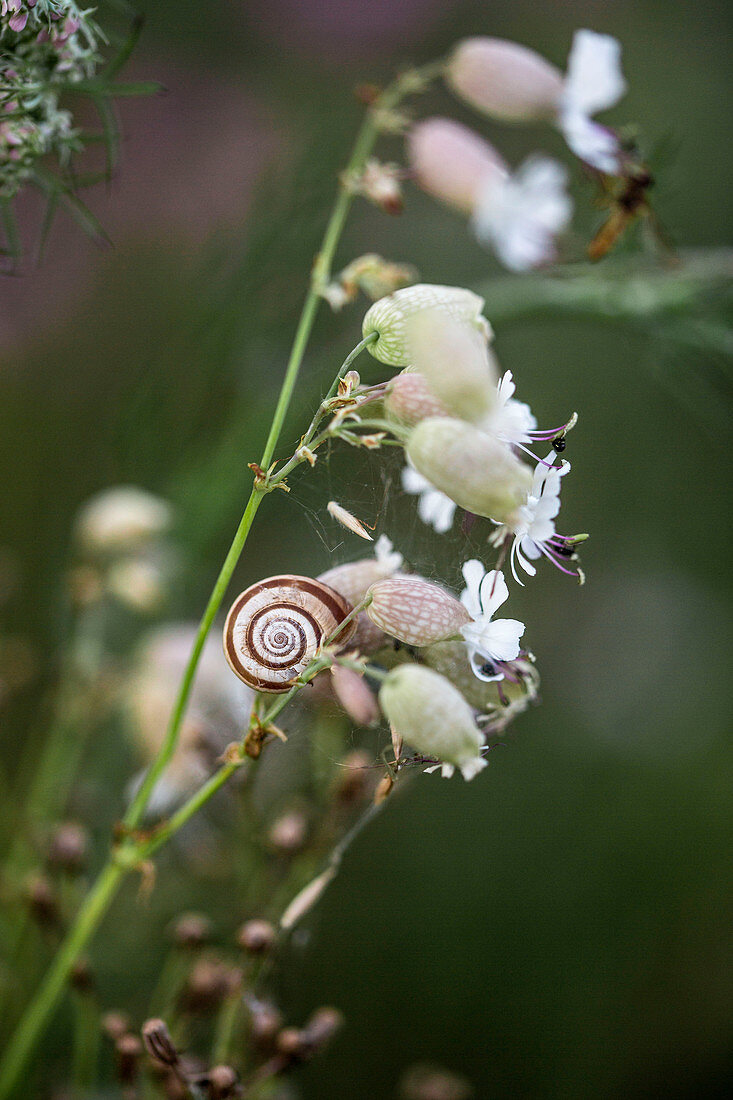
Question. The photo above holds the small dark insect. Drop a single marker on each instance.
(559, 444)
(488, 669)
(627, 199)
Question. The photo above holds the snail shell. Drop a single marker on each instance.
(274, 628)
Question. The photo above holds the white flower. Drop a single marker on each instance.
(488, 641)
(534, 529)
(511, 421)
(520, 214)
(434, 507)
(594, 82)
(121, 519)
(389, 558)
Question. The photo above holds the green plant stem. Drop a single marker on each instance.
(225, 1028)
(90, 914)
(104, 889)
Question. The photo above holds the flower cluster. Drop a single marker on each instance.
(520, 213)
(44, 47)
(458, 672)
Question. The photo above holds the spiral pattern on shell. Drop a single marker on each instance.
(274, 629)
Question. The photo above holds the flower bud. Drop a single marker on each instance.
(455, 362)
(452, 163)
(388, 317)
(501, 702)
(322, 1026)
(433, 718)
(288, 832)
(415, 611)
(409, 399)
(265, 1022)
(115, 1025)
(191, 930)
(352, 580)
(222, 1083)
(68, 847)
(118, 520)
(128, 1050)
(256, 937)
(209, 983)
(477, 471)
(504, 80)
(354, 695)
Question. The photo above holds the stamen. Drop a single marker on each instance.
(538, 460)
(551, 557)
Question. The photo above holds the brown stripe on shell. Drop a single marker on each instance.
(308, 596)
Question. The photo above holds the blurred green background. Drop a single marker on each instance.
(561, 926)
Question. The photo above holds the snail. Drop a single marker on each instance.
(274, 629)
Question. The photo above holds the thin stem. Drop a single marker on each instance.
(137, 808)
(225, 1028)
(93, 909)
(104, 889)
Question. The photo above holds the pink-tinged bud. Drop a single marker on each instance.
(353, 580)
(505, 80)
(409, 399)
(389, 317)
(477, 471)
(456, 363)
(433, 718)
(452, 163)
(415, 611)
(354, 695)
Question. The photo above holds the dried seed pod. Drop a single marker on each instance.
(276, 627)
(504, 79)
(415, 611)
(433, 717)
(388, 317)
(409, 399)
(477, 471)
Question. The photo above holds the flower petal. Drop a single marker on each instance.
(594, 80)
(494, 592)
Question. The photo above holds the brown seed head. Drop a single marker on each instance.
(192, 930)
(288, 832)
(256, 936)
(322, 1026)
(115, 1025)
(209, 983)
(128, 1049)
(68, 847)
(265, 1023)
(158, 1042)
(42, 900)
(81, 977)
(292, 1044)
(222, 1083)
